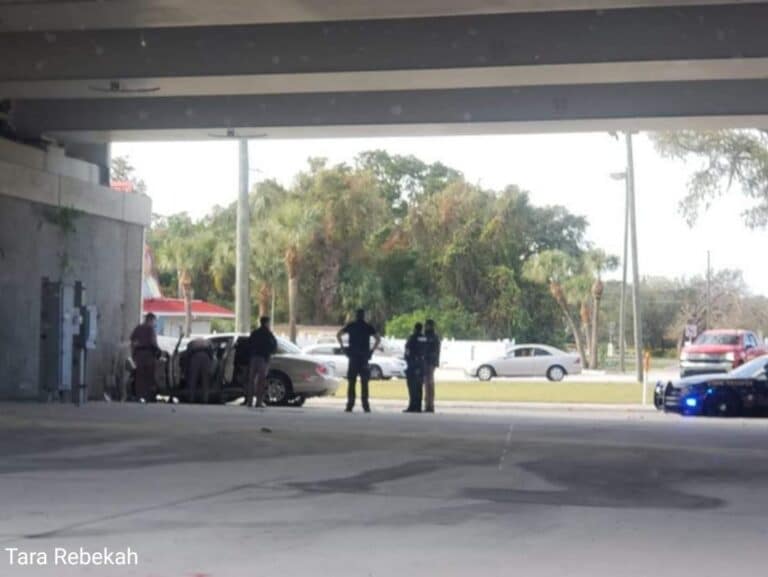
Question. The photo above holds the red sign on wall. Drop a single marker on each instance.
(121, 185)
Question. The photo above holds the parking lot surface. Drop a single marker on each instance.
(228, 491)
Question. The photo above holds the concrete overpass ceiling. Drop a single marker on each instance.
(26, 15)
(220, 133)
(391, 80)
(640, 35)
(626, 62)
(212, 115)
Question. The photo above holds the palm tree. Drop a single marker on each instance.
(266, 259)
(596, 261)
(295, 223)
(558, 269)
(222, 267)
(266, 264)
(180, 250)
(187, 293)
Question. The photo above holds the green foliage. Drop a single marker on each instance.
(451, 319)
(726, 158)
(64, 218)
(405, 180)
(123, 170)
(393, 234)
(670, 304)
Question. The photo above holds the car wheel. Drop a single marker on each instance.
(279, 390)
(486, 373)
(376, 374)
(556, 373)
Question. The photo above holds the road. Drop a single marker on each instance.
(229, 491)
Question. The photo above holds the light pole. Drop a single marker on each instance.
(623, 301)
(630, 236)
(636, 308)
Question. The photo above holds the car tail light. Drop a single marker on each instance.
(321, 370)
(578, 361)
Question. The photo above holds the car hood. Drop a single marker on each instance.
(711, 349)
(698, 379)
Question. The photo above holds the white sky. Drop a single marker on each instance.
(572, 170)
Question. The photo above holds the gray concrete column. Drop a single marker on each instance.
(94, 153)
(243, 249)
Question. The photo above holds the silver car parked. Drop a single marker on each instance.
(529, 360)
(381, 367)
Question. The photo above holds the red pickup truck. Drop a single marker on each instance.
(720, 351)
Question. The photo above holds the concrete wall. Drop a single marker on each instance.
(103, 249)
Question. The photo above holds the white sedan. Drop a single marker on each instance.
(529, 361)
(382, 367)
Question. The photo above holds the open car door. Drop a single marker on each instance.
(174, 369)
(224, 368)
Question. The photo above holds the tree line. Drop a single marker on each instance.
(405, 239)
(408, 239)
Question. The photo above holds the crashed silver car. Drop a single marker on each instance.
(292, 379)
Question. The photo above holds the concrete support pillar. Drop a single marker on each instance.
(243, 249)
(94, 153)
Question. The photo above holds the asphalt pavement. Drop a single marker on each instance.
(229, 491)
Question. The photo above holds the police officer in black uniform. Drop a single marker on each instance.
(431, 362)
(199, 363)
(359, 353)
(415, 349)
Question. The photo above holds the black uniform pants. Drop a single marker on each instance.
(145, 383)
(199, 373)
(415, 378)
(358, 366)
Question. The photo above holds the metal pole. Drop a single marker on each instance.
(636, 307)
(242, 248)
(622, 303)
(709, 283)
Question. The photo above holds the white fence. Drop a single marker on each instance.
(455, 354)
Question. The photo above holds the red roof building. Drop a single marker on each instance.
(170, 311)
(168, 307)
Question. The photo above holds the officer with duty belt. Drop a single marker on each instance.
(200, 361)
(145, 352)
(415, 350)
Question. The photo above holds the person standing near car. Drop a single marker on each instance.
(199, 362)
(144, 351)
(431, 362)
(359, 352)
(414, 373)
(262, 344)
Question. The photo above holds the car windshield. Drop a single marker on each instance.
(717, 339)
(751, 369)
(287, 348)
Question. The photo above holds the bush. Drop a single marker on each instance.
(452, 322)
